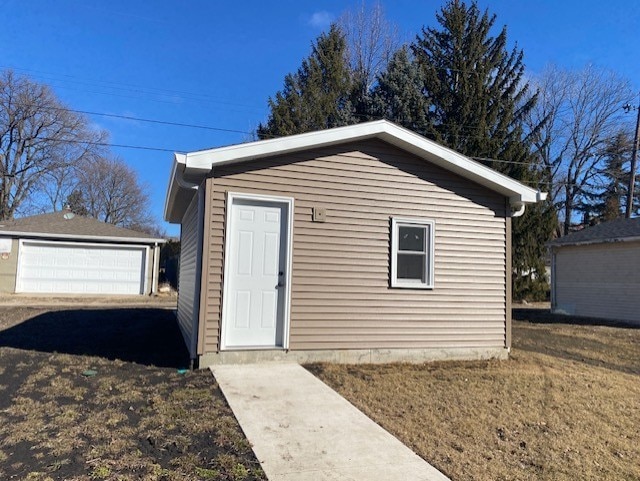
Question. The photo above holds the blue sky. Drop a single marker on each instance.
(216, 63)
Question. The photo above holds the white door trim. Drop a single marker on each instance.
(287, 202)
(148, 261)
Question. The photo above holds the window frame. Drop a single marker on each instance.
(427, 224)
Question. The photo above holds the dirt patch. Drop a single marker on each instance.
(564, 407)
(91, 394)
(166, 300)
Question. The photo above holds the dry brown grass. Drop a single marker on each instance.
(566, 406)
(136, 418)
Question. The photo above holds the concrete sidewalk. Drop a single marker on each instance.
(302, 430)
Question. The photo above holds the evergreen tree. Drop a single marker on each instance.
(530, 234)
(474, 85)
(479, 102)
(318, 95)
(398, 95)
(76, 203)
(462, 87)
(606, 196)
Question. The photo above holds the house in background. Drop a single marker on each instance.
(63, 253)
(363, 243)
(595, 272)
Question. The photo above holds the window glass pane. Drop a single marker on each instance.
(411, 266)
(411, 238)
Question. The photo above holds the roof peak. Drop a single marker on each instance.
(59, 224)
(190, 169)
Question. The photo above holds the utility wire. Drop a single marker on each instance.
(109, 144)
(161, 122)
(296, 157)
(218, 129)
(124, 87)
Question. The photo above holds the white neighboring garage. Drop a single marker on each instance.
(61, 253)
(80, 268)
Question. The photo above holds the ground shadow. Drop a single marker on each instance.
(545, 316)
(147, 336)
(578, 344)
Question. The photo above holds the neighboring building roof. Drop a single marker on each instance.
(64, 225)
(619, 230)
(190, 169)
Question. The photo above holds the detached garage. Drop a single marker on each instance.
(62, 253)
(363, 243)
(595, 272)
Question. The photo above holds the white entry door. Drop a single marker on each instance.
(255, 286)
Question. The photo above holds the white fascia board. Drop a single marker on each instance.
(457, 163)
(181, 190)
(69, 237)
(382, 129)
(190, 169)
(179, 161)
(283, 145)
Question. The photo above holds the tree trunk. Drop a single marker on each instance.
(568, 209)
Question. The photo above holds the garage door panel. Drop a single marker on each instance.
(81, 269)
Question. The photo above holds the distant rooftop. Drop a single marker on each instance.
(71, 226)
(615, 230)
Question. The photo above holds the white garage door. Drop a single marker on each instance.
(76, 268)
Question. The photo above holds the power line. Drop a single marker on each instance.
(538, 184)
(109, 144)
(195, 96)
(161, 122)
(124, 87)
(218, 129)
(488, 159)
(136, 89)
(141, 119)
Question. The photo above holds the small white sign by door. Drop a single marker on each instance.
(5, 245)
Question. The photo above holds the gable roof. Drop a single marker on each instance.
(618, 230)
(60, 225)
(190, 169)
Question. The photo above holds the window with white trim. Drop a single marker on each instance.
(412, 253)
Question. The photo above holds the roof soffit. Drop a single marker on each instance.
(199, 164)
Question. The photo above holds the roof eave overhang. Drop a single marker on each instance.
(613, 240)
(183, 184)
(189, 170)
(74, 237)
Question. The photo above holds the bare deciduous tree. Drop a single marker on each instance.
(54, 188)
(38, 135)
(112, 193)
(371, 41)
(583, 111)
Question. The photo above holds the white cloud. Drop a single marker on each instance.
(321, 20)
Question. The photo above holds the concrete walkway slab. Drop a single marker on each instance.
(302, 430)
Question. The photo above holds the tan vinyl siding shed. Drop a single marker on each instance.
(596, 272)
(326, 204)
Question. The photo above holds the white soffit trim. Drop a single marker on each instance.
(205, 160)
(181, 190)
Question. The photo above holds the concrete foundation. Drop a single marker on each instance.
(352, 356)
